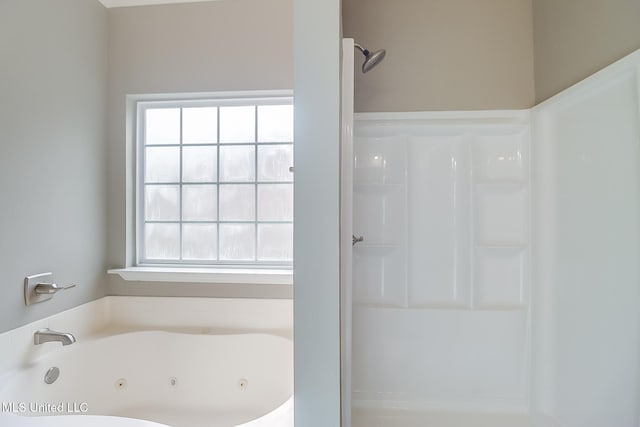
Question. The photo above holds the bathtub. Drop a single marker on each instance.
(142, 377)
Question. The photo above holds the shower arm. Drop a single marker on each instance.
(364, 51)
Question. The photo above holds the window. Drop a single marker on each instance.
(214, 182)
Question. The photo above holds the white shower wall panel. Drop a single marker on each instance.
(440, 359)
(438, 214)
(441, 280)
(379, 200)
(501, 277)
(501, 217)
(503, 157)
(587, 298)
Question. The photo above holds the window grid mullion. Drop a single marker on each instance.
(255, 178)
(250, 264)
(142, 176)
(224, 143)
(215, 183)
(218, 184)
(180, 198)
(195, 221)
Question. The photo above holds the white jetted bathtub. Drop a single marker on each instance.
(180, 379)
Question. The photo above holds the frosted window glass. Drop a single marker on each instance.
(199, 241)
(216, 186)
(275, 202)
(237, 242)
(162, 241)
(162, 203)
(275, 123)
(274, 162)
(162, 126)
(237, 124)
(199, 203)
(200, 125)
(237, 163)
(275, 242)
(199, 164)
(237, 202)
(162, 164)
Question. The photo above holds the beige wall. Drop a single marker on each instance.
(52, 173)
(444, 54)
(227, 45)
(574, 39)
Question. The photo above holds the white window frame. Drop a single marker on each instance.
(169, 271)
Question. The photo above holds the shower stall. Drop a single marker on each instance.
(490, 261)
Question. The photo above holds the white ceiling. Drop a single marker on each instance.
(125, 3)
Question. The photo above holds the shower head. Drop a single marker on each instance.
(371, 59)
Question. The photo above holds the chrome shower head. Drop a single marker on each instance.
(371, 59)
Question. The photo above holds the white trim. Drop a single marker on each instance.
(427, 123)
(482, 405)
(204, 96)
(127, 3)
(205, 275)
(508, 116)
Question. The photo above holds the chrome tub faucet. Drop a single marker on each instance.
(47, 335)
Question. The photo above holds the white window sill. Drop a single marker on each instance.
(205, 275)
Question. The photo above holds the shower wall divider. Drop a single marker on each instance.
(346, 229)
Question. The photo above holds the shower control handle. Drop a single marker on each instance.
(45, 288)
(357, 239)
(41, 287)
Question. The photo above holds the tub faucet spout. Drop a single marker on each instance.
(47, 335)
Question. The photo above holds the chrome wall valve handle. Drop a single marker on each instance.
(45, 288)
(41, 287)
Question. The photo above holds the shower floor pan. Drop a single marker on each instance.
(367, 417)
